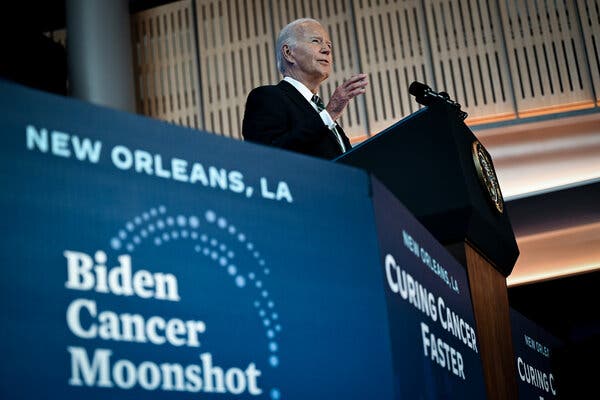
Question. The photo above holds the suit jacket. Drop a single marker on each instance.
(278, 115)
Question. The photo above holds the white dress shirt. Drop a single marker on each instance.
(325, 117)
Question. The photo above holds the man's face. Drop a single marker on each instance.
(312, 52)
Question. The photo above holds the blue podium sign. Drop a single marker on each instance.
(535, 358)
(432, 325)
(143, 260)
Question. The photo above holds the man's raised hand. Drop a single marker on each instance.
(345, 92)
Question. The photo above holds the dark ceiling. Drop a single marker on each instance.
(49, 15)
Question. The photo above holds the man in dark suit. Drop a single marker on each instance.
(290, 114)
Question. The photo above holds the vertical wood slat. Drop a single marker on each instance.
(546, 56)
(235, 41)
(165, 65)
(394, 52)
(589, 13)
(538, 24)
(467, 47)
(336, 17)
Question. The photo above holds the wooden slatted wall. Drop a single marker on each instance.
(589, 12)
(165, 64)
(546, 56)
(501, 59)
(236, 54)
(336, 17)
(393, 49)
(468, 57)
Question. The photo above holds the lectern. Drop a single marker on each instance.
(438, 169)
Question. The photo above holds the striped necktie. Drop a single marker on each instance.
(320, 107)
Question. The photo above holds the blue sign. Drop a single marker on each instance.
(535, 358)
(432, 325)
(144, 260)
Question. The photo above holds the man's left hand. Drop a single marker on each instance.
(345, 92)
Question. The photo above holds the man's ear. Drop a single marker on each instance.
(287, 53)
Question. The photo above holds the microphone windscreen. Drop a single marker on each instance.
(418, 89)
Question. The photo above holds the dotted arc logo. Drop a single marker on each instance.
(159, 228)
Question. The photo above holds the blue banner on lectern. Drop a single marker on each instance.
(144, 260)
(432, 325)
(536, 359)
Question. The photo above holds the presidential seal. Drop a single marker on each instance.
(487, 175)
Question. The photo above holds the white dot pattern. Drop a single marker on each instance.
(159, 228)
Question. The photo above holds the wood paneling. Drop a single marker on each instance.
(490, 305)
(236, 49)
(546, 56)
(394, 51)
(502, 59)
(165, 64)
(468, 57)
(589, 12)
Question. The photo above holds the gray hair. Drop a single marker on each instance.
(288, 35)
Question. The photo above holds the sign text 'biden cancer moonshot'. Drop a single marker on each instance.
(87, 319)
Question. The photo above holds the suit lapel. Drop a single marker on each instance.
(307, 108)
(297, 98)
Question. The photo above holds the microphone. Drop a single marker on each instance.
(419, 90)
(426, 96)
